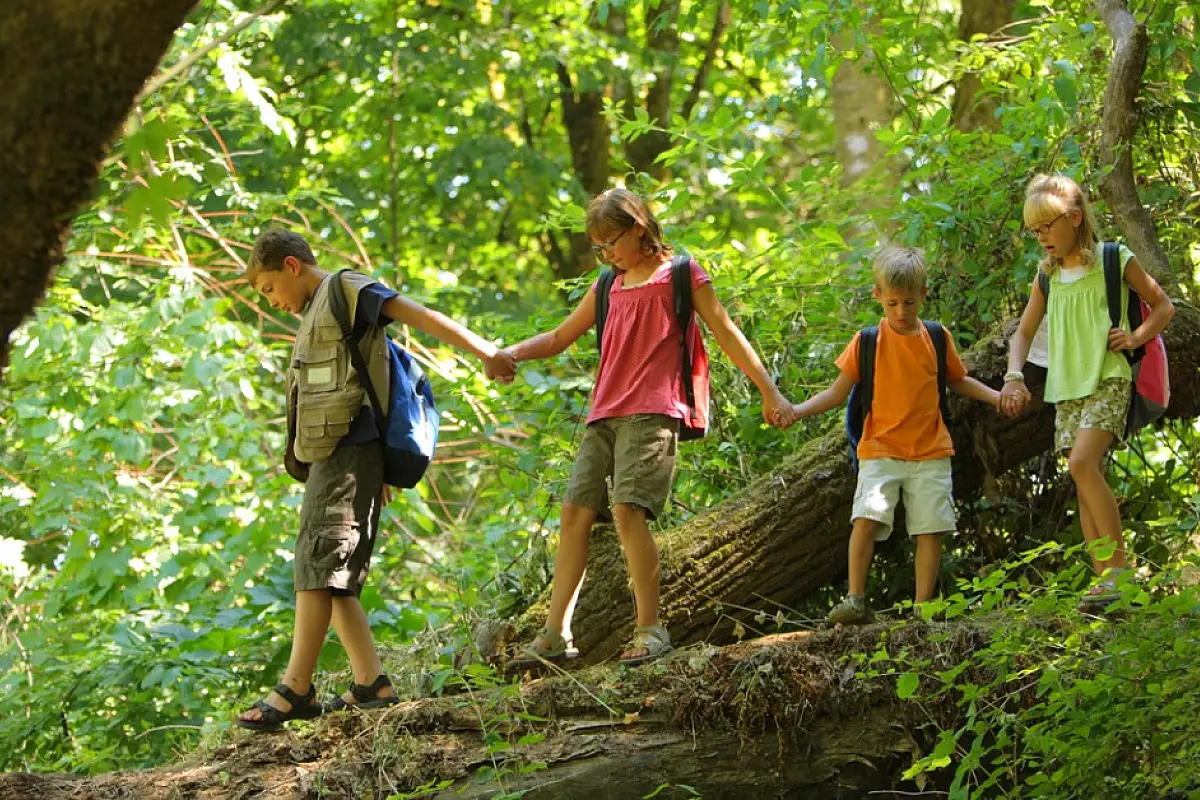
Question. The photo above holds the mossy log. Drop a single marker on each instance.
(70, 70)
(792, 715)
(785, 535)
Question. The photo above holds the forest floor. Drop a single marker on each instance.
(792, 715)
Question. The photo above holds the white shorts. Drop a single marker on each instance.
(927, 488)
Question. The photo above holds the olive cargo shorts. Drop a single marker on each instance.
(637, 452)
(339, 520)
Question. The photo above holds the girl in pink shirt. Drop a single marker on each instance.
(637, 407)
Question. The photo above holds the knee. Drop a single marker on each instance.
(630, 518)
(576, 520)
(1082, 467)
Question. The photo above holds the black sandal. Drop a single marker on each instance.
(272, 718)
(366, 695)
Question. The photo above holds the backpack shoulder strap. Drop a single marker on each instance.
(681, 289)
(1113, 282)
(604, 286)
(868, 338)
(938, 334)
(351, 335)
(681, 286)
(1043, 281)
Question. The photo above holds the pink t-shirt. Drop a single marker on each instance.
(641, 362)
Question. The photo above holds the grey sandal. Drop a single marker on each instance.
(533, 655)
(654, 639)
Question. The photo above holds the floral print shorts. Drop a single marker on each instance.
(1106, 409)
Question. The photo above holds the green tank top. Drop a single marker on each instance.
(1078, 335)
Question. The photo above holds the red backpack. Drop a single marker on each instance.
(695, 365)
(1151, 382)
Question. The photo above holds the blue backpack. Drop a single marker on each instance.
(408, 430)
(859, 404)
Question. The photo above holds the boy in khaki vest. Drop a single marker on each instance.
(333, 447)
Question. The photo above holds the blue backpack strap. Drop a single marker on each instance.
(681, 288)
(938, 334)
(603, 287)
(351, 337)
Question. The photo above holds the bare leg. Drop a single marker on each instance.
(862, 550)
(570, 564)
(1098, 507)
(350, 622)
(928, 558)
(313, 611)
(641, 556)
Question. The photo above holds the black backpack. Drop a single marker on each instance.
(859, 404)
(681, 287)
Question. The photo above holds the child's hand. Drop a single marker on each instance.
(775, 405)
(1013, 398)
(1119, 340)
(786, 416)
(500, 367)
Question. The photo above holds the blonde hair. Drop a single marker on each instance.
(613, 212)
(900, 268)
(1049, 196)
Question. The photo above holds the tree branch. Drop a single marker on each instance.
(720, 22)
(184, 64)
(1117, 128)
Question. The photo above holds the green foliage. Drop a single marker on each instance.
(1059, 704)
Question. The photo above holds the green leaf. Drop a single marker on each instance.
(907, 684)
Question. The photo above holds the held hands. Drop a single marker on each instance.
(776, 408)
(501, 366)
(1013, 399)
(1119, 340)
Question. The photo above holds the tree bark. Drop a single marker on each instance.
(970, 111)
(785, 536)
(862, 103)
(70, 70)
(588, 136)
(1116, 142)
(662, 51)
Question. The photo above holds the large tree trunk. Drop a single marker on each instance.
(1116, 141)
(70, 70)
(970, 111)
(862, 104)
(785, 536)
(787, 716)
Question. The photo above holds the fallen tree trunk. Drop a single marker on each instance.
(785, 716)
(785, 536)
(70, 70)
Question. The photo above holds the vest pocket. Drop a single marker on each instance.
(318, 369)
(325, 424)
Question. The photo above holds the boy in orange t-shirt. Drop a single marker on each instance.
(905, 447)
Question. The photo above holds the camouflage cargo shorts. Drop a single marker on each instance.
(1106, 409)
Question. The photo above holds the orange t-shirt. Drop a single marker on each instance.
(905, 421)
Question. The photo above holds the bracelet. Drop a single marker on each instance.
(1014, 375)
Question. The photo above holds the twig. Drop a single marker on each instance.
(184, 64)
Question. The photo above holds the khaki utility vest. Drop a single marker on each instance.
(323, 390)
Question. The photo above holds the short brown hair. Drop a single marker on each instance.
(900, 268)
(613, 212)
(272, 247)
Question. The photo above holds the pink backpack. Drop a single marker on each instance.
(1151, 382)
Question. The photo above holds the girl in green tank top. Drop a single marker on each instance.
(1088, 376)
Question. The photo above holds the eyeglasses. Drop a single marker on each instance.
(604, 250)
(1038, 231)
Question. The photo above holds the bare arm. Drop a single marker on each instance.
(444, 329)
(551, 343)
(1014, 396)
(734, 343)
(1161, 310)
(969, 387)
(825, 400)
